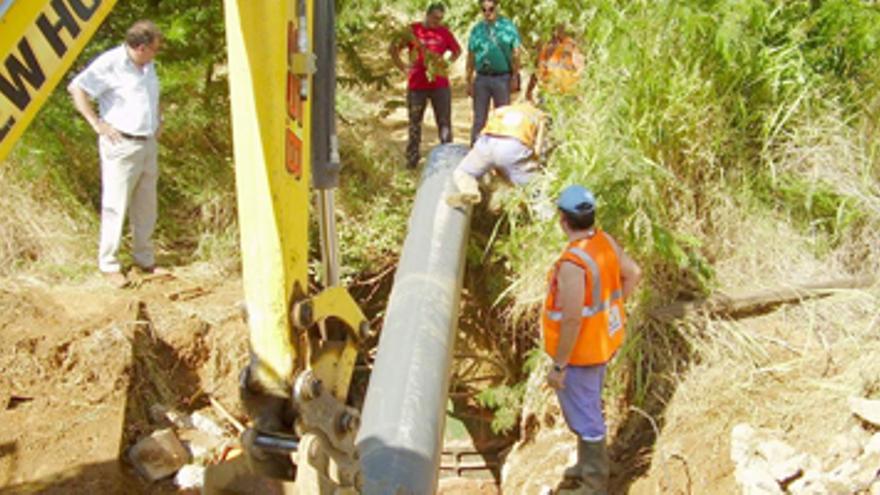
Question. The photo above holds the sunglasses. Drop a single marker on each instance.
(488, 10)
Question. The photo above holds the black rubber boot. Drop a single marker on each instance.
(596, 468)
(591, 469)
(576, 471)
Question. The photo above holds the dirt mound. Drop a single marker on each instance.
(64, 392)
(81, 367)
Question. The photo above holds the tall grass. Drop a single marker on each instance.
(39, 232)
(692, 116)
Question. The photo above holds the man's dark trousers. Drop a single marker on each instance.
(416, 102)
(495, 87)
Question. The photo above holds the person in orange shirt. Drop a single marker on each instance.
(559, 65)
(583, 324)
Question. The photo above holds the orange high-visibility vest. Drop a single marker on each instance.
(520, 121)
(602, 315)
(557, 68)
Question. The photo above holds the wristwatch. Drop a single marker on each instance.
(558, 368)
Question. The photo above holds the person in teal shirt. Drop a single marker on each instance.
(493, 53)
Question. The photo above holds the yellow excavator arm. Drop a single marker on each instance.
(304, 346)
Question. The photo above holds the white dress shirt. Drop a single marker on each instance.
(128, 96)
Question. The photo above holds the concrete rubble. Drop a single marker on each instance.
(158, 455)
(851, 464)
(190, 477)
(183, 448)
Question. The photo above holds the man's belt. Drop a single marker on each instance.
(493, 74)
(133, 137)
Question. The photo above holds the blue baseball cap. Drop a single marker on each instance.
(575, 198)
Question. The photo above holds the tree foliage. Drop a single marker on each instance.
(195, 190)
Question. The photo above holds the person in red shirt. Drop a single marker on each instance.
(427, 43)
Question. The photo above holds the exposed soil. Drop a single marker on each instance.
(82, 365)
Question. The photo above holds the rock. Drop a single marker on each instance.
(741, 442)
(775, 451)
(201, 445)
(869, 469)
(842, 446)
(791, 469)
(811, 483)
(766, 465)
(755, 479)
(746, 441)
(842, 478)
(873, 445)
(206, 424)
(158, 455)
(189, 477)
(868, 410)
(161, 414)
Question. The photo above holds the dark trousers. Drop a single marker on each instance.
(416, 102)
(486, 87)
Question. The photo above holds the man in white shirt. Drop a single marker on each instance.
(124, 83)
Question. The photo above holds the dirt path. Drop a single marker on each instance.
(394, 126)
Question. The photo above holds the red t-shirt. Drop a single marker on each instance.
(437, 40)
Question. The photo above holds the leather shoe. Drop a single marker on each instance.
(154, 270)
(116, 279)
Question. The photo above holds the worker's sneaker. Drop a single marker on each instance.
(116, 279)
(461, 200)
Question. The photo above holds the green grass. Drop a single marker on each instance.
(691, 114)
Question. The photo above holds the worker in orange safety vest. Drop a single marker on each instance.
(509, 143)
(559, 65)
(583, 326)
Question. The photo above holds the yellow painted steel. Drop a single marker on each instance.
(273, 204)
(334, 367)
(271, 115)
(39, 40)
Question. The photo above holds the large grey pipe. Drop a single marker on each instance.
(401, 433)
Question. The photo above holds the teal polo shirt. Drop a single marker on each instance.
(493, 45)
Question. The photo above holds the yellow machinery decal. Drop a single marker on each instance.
(41, 40)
